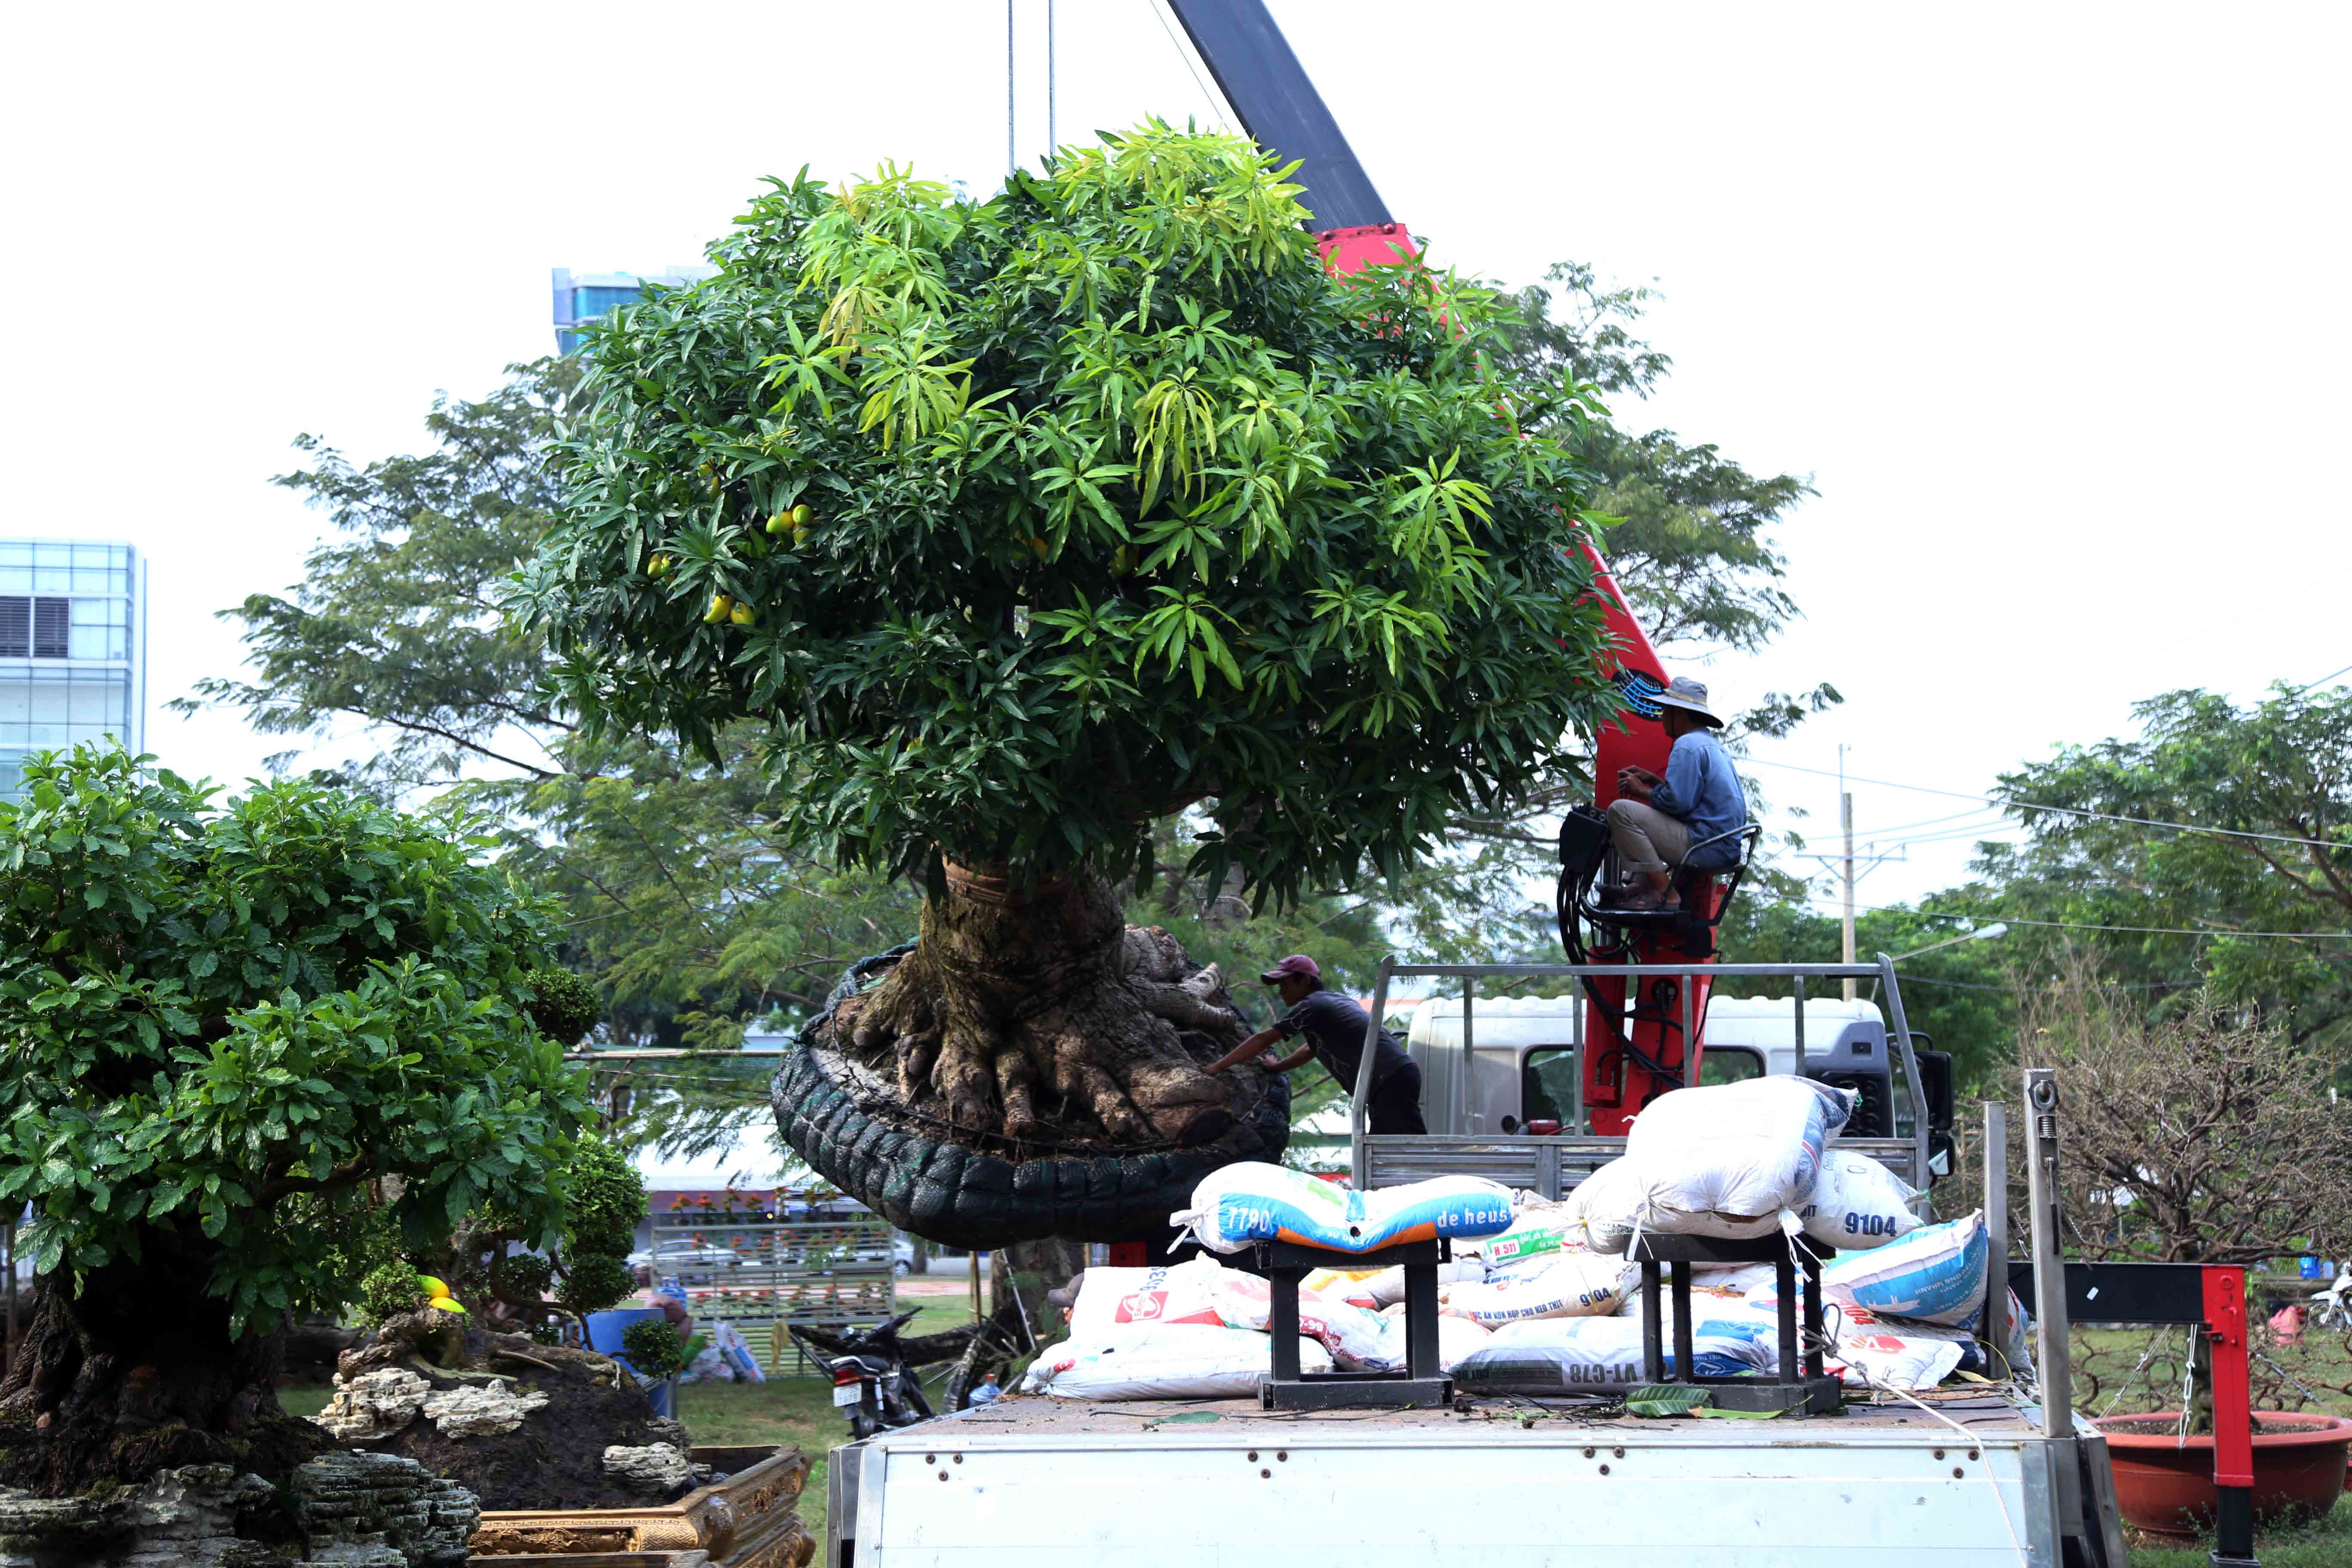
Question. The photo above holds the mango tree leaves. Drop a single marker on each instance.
(1116, 503)
(241, 1021)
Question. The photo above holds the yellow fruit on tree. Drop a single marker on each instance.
(719, 606)
(430, 1286)
(742, 614)
(779, 522)
(658, 567)
(446, 1304)
(802, 515)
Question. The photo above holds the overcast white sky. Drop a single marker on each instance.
(2048, 300)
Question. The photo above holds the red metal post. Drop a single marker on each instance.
(2233, 1420)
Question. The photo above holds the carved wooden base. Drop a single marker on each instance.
(744, 1522)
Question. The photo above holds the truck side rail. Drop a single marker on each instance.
(1578, 1156)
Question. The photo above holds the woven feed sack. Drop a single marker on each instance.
(1858, 1204)
(1729, 1159)
(1251, 1202)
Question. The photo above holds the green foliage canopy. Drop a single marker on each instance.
(2281, 766)
(226, 1024)
(1120, 503)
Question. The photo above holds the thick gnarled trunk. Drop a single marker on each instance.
(1036, 1014)
(140, 1373)
(1032, 1067)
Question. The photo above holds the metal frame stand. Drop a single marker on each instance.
(1801, 1385)
(2211, 1295)
(1285, 1264)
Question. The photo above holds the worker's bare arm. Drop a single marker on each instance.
(1245, 1050)
(1298, 1058)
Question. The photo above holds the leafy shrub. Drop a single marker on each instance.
(388, 1290)
(652, 1347)
(605, 1201)
(521, 1275)
(566, 1007)
(593, 1281)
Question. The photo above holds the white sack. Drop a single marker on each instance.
(1936, 1273)
(1110, 1298)
(1577, 1285)
(1858, 1204)
(1181, 1361)
(1728, 1160)
(1606, 1205)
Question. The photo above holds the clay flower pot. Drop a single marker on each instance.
(2165, 1486)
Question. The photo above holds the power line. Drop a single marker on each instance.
(2324, 678)
(2064, 810)
(2078, 925)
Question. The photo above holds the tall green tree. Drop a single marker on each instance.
(235, 1035)
(2271, 782)
(1120, 505)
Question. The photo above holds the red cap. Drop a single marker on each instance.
(1297, 963)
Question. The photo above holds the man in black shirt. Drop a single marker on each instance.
(1334, 1029)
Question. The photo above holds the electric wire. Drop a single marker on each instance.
(2063, 810)
(2076, 925)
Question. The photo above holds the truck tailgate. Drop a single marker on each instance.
(1037, 1482)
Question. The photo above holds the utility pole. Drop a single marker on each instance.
(1845, 816)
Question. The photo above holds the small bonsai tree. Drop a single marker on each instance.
(229, 1038)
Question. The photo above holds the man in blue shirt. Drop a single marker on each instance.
(1654, 821)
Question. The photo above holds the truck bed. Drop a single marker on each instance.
(1495, 1482)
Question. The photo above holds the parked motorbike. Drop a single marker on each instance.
(2332, 1307)
(872, 1380)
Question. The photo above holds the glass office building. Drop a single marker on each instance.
(73, 649)
(581, 297)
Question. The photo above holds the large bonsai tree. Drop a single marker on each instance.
(228, 1037)
(1023, 524)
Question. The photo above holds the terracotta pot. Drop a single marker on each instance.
(2166, 1487)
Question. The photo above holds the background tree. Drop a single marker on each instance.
(1117, 505)
(229, 1030)
(2205, 1133)
(2278, 776)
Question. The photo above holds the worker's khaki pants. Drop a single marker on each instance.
(1647, 839)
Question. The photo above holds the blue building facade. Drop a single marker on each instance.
(73, 649)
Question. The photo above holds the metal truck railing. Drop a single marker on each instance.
(1552, 1165)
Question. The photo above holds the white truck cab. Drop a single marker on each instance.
(1523, 1063)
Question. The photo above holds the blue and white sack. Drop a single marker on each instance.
(1558, 1355)
(1935, 1274)
(1252, 1202)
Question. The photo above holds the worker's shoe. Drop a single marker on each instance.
(1637, 898)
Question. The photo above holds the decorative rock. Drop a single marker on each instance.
(354, 1511)
(375, 1405)
(656, 1469)
(481, 1410)
(378, 1509)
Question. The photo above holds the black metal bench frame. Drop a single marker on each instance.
(1421, 1384)
(1803, 1384)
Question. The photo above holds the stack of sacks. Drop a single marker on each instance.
(1197, 1329)
(1565, 1355)
(1163, 1361)
(1928, 1284)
